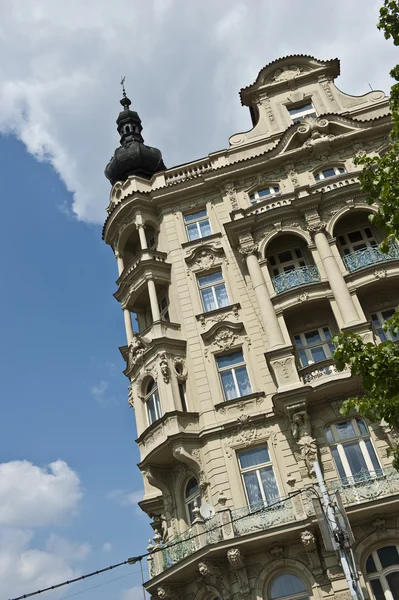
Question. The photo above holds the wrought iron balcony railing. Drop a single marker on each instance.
(366, 486)
(369, 256)
(296, 278)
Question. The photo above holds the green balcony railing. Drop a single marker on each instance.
(369, 256)
(296, 278)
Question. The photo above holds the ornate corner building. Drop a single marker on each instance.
(237, 270)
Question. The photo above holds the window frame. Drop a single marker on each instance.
(197, 222)
(338, 170)
(360, 438)
(190, 500)
(153, 395)
(265, 465)
(349, 247)
(298, 117)
(388, 334)
(304, 595)
(234, 376)
(164, 309)
(282, 266)
(212, 286)
(382, 572)
(306, 348)
(257, 196)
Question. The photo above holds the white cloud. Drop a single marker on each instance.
(32, 496)
(31, 499)
(106, 547)
(125, 498)
(184, 63)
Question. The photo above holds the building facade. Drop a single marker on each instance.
(238, 269)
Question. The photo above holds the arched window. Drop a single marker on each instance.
(382, 568)
(288, 587)
(153, 403)
(260, 195)
(330, 172)
(192, 497)
(352, 450)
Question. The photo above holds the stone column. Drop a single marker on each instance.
(152, 292)
(266, 308)
(337, 282)
(120, 263)
(143, 239)
(128, 325)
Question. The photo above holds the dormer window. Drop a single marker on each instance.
(299, 112)
(260, 195)
(330, 172)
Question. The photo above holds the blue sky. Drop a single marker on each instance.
(68, 479)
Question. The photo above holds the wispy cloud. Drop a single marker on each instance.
(125, 498)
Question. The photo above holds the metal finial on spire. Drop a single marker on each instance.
(125, 100)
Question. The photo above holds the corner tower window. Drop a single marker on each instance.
(352, 450)
(197, 225)
(287, 586)
(233, 375)
(192, 497)
(258, 476)
(330, 172)
(153, 403)
(382, 568)
(260, 195)
(299, 112)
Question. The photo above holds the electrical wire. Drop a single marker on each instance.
(93, 587)
(135, 559)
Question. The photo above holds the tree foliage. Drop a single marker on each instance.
(378, 366)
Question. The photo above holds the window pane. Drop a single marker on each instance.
(318, 354)
(243, 381)
(338, 463)
(195, 216)
(252, 487)
(151, 411)
(298, 341)
(327, 333)
(229, 387)
(269, 484)
(303, 358)
(370, 565)
(264, 192)
(345, 430)
(157, 405)
(192, 231)
(388, 556)
(377, 589)
(329, 172)
(205, 228)
(387, 314)
(372, 455)
(285, 256)
(253, 457)
(230, 359)
(300, 109)
(355, 458)
(210, 278)
(208, 299)
(286, 585)
(393, 581)
(192, 487)
(355, 236)
(312, 337)
(329, 435)
(362, 426)
(221, 295)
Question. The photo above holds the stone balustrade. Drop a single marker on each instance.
(315, 372)
(185, 172)
(269, 206)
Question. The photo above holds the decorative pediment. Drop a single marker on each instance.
(206, 256)
(223, 336)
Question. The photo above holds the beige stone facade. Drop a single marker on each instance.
(240, 268)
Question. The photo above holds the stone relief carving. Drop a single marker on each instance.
(304, 297)
(380, 273)
(286, 73)
(277, 553)
(230, 191)
(379, 525)
(167, 592)
(246, 432)
(212, 574)
(316, 226)
(236, 560)
(327, 89)
(309, 541)
(302, 434)
(164, 366)
(135, 351)
(206, 320)
(224, 338)
(205, 260)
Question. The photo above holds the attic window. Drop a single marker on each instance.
(330, 172)
(299, 112)
(259, 195)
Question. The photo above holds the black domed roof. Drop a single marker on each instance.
(132, 157)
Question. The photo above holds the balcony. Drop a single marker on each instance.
(370, 256)
(321, 370)
(133, 277)
(227, 524)
(296, 278)
(367, 486)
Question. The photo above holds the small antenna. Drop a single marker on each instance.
(123, 79)
(371, 87)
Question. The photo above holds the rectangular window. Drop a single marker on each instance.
(258, 476)
(163, 306)
(233, 375)
(213, 291)
(352, 450)
(298, 113)
(197, 225)
(360, 239)
(154, 411)
(378, 318)
(314, 346)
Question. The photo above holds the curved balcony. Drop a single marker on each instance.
(296, 278)
(133, 277)
(370, 256)
(317, 371)
(366, 486)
